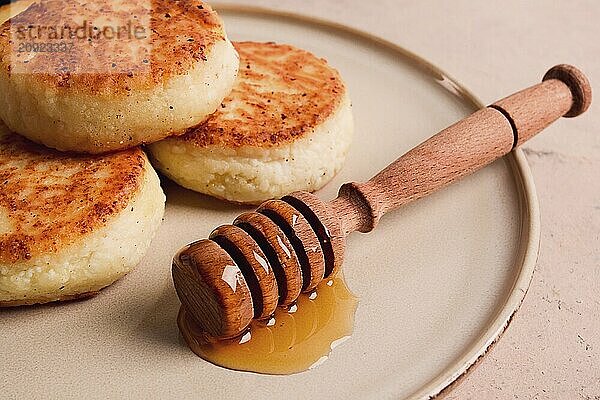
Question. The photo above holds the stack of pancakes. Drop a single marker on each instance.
(79, 200)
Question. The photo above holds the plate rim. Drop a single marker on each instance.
(530, 232)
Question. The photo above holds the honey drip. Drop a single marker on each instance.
(296, 339)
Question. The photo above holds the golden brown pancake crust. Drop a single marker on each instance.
(52, 199)
(280, 95)
(181, 33)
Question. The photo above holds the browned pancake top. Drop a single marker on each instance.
(172, 37)
(51, 199)
(282, 93)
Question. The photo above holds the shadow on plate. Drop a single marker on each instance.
(180, 196)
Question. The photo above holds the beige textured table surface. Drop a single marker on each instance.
(552, 347)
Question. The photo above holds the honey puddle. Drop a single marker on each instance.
(296, 339)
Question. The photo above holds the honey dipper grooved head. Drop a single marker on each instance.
(212, 288)
(264, 259)
(303, 238)
(254, 266)
(279, 251)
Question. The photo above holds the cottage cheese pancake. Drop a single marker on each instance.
(286, 126)
(102, 75)
(71, 225)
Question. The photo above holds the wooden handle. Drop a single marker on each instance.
(464, 147)
(290, 245)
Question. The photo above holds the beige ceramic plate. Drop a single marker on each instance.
(438, 281)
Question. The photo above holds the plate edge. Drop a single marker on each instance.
(530, 214)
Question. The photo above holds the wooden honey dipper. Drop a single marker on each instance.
(288, 246)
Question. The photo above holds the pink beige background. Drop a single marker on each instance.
(551, 350)
(552, 347)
